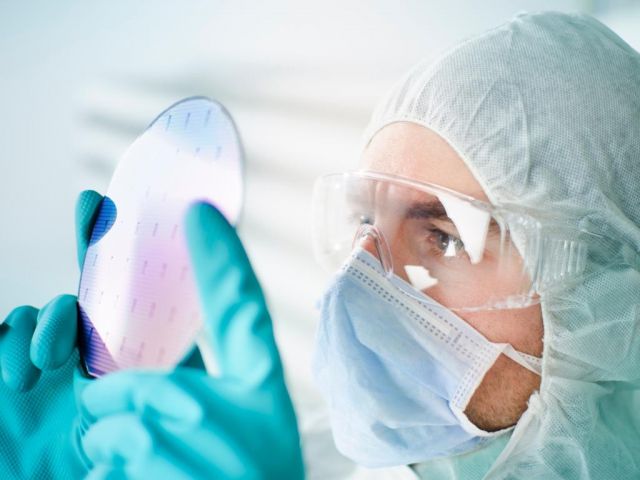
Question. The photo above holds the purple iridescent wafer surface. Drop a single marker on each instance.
(137, 297)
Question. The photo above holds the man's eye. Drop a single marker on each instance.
(447, 244)
(365, 220)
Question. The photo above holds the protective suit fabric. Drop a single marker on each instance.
(470, 466)
(545, 112)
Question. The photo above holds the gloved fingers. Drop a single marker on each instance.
(208, 452)
(237, 322)
(54, 338)
(116, 440)
(212, 447)
(152, 395)
(157, 468)
(18, 373)
(178, 401)
(87, 209)
(122, 446)
(193, 359)
(105, 472)
(80, 383)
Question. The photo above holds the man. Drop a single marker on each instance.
(482, 323)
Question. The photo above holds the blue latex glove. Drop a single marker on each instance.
(37, 361)
(32, 340)
(187, 424)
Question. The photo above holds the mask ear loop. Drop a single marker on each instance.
(382, 251)
(531, 363)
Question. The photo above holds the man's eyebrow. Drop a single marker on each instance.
(434, 209)
(431, 209)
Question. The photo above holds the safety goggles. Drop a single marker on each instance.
(464, 253)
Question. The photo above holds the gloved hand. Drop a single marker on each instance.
(186, 423)
(37, 361)
(32, 340)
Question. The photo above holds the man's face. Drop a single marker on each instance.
(412, 151)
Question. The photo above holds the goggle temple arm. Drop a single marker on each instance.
(371, 239)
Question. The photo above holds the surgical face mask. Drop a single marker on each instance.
(398, 369)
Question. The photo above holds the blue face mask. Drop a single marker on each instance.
(397, 369)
